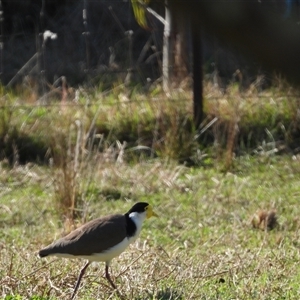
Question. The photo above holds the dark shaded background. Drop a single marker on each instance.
(107, 48)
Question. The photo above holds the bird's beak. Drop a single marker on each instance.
(150, 212)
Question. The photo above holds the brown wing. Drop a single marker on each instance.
(93, 237)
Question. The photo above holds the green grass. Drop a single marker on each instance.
(151, 121)
(202, 246)
(119, 148)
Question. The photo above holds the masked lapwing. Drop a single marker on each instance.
(101, 239)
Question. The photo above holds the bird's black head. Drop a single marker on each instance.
(138, 207)
(142, 207)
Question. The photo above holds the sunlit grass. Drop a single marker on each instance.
(202, 246)
(109, 150)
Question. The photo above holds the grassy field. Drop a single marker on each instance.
(203, 245)
(211, 240)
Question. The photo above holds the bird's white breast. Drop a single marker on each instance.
(106, 256)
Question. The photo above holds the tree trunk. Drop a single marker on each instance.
(197, 75)
(180, 29)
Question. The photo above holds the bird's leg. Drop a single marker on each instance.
(108, 277)
(111, 282)
(79, 279)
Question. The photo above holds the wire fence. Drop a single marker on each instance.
(76, 39)
(98, 42)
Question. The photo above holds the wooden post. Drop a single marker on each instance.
(167, 46)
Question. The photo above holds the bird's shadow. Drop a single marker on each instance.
(163, 294)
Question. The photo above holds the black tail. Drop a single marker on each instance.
(44, 252)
